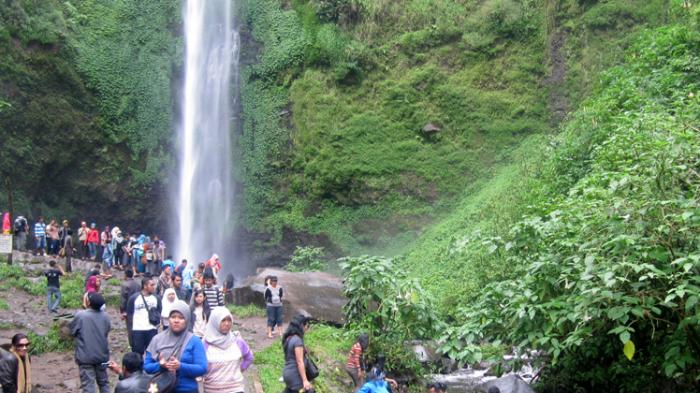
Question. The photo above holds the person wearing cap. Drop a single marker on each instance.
(91, 330)
(93, 238)
(178, 350)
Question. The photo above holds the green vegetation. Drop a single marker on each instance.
(246, 311)
(391, 308)
(606, 281)
(307, 259)
(86, 106)
(328, 347)
(50, 342)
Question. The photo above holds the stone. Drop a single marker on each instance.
(317, 294)
(430, 129)
(510, 383)
(426, 351)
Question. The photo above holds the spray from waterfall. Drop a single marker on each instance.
(206, 188)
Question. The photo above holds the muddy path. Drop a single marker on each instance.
(56, 371)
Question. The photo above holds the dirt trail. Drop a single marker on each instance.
(56, 372)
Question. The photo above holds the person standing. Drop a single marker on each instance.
(200, 313)
(53, 285)
(52, 237)
(180, 291)
(137, 310)
(356, 360)
(228, 355)
(91, 330)
(82, 240)
(212, 292)
(20, 347)
(93, 239)
(273, 302)
(177, 350)
(294, 374)
(128, 288)
(68, 246)
(40, 236)
(21, 229)
(8, 371)
(165, 281)
(105, 239)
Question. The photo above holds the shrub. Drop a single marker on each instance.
(307, 259)
(392, 308)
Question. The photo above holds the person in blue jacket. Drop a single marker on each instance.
(378, 382)
(178, 350)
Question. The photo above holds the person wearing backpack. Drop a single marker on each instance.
(143, 312)
(273, 301)
(21, 229)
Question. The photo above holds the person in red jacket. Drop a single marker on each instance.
(93, 238)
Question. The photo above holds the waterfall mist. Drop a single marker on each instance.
(205, 199)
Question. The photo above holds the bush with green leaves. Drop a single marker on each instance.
(307, 259)
(608, 281)
(392, 308)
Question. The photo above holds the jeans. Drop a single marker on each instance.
(53, 298)
(53, 246)
(91, 373)
(92, 250)
(40, 243)
(274, 316)
(141, 339)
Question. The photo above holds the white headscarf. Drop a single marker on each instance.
(212, 334)
(167, 304)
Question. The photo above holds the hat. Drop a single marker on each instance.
(96, 300)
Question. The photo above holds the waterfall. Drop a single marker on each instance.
(204, 206)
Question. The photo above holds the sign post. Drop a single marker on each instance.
(5, 244)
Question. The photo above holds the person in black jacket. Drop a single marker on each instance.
(131, 376)
(91, 329)
(8, 371)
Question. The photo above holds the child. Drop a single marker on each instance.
(53, 286)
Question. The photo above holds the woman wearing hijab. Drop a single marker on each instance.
(177, 350)
(294, 373)
(93, 285)
(169, 298)
(228, 354)
(6, 227)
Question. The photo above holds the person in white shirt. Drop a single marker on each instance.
(138, 307)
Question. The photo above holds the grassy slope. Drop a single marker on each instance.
(332, 142)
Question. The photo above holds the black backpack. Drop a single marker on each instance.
(153, 313)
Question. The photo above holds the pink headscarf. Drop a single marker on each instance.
(92, 284)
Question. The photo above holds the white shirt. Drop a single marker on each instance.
(141, 322)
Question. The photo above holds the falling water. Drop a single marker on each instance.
(205, 196)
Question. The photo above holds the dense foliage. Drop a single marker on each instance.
(392, 308)
(86, 107)
(607, 281)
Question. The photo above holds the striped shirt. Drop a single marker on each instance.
(39, 229)
(355, 355)
(214, 296)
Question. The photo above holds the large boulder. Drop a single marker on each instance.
(511, 383)
(317, 294)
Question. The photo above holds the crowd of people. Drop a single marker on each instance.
(178, 328)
